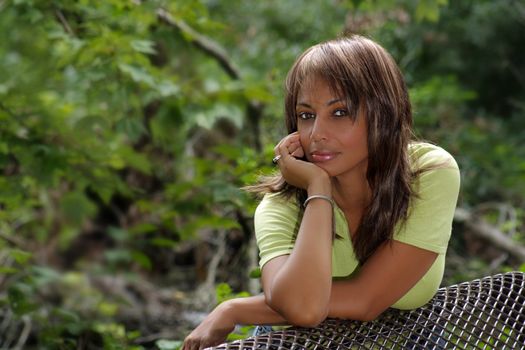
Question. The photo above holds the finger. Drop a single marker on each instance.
(283, 151)
(188, 345)
(296, 149)
(299, 152)
(285, 162)
(206, 344)
(280, 151)
(292, 138)
(292, 146)
(194, 344)
(287, 140)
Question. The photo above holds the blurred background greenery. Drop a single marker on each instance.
(128, 127)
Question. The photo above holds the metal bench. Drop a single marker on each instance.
(486, 313)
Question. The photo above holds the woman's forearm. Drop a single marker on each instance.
(253, 311)
(214, 329)
(300, 288)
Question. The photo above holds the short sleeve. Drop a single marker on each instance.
(276, 225)
(429, 222)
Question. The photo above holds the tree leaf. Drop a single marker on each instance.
(144, 46)
(164, 344)
(20, 256)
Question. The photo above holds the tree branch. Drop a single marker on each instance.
(484, 230)
(205, 44)
(7, 110)
(15, 241)
(212, 48)
(63, 21)
(25, 333)
(206, 292)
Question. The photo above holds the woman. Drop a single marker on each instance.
(359, 218)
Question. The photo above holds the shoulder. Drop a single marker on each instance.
(276, 224)
(424, 155)
(436, 189)
(435, 169)
(275, 208)
(275, 201)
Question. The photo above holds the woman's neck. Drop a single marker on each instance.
(352, 193)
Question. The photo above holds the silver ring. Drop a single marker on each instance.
(276, 159)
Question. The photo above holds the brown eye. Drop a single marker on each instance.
(305, 115)
(340, 113)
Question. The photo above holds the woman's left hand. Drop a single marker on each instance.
(297, 172)
(212, 331)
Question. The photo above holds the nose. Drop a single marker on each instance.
(319, 129)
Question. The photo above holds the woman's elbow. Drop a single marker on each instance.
(306, 318)
(366, 311)
(299, 314)
(367, 316)
(370, 312)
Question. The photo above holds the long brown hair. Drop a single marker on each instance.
(363, 72)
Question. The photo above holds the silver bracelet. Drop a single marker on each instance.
(320, 196)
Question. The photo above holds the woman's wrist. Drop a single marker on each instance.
(321, 186)
(319, 196)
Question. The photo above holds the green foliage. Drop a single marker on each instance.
(255, 273)
(168, 344)
(464, 97)
(429, 9)
(224, 292)
(242, 332)
(62, 325)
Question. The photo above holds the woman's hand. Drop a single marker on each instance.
(213, 330)
(297, 172)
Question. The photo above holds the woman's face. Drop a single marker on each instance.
(331, 138)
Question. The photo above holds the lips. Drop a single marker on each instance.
(322, 156)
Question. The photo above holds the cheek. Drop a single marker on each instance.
(303, 132)
(355, 142)
(303, 137)
(359, 143)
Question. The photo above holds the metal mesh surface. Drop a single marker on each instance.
(487, 313)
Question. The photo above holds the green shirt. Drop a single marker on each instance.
(428, 226)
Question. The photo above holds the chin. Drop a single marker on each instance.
(326, 168)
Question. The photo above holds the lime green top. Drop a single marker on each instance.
(428, 226)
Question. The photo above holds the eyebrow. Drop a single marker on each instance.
(329, 103)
